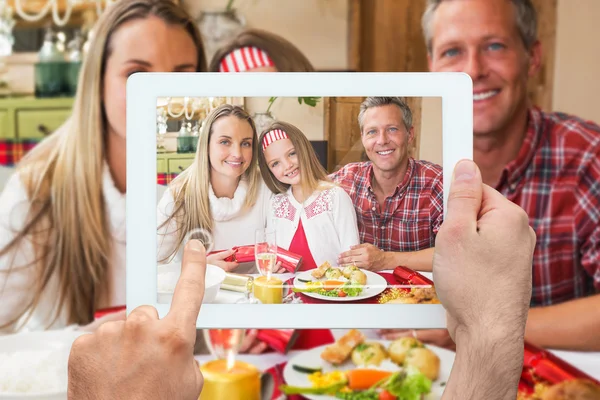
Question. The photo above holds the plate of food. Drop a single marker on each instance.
(349, 283)
(354, 368)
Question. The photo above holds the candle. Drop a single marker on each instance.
(241, 382)
(268, 290)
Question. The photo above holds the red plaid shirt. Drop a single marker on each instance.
(556, 179)
(410, 218)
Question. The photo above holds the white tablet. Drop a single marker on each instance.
(300, 309)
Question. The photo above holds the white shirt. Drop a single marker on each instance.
(232, 226)
(17, 287)
(328, 218)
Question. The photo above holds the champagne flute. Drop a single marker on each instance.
(224, 344)
(265, 251)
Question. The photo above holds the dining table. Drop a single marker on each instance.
(271, 361)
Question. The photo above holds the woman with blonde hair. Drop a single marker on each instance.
(313, 217)
(62, 214)
(220, 194)
(255, 50)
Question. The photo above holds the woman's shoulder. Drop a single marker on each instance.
(14, 191)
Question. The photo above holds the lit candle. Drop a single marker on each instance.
(269, 290)
(240, 382)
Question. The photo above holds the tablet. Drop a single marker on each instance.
(148, 94)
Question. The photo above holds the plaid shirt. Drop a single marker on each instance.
(409, 219)
(11, 150)
(556, 179)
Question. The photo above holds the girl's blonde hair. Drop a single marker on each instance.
(67, 223)
(312, 174)
(191, 210)
(285, 56)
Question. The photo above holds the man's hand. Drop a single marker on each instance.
(145, 357)
(365, 256)
(482, 260)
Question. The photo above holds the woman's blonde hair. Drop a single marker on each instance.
(285, 56)
(191, 210)
(67, 223)
(312, 174)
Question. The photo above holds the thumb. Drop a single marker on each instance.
(464, 199)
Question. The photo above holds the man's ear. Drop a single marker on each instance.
(411, 134)
(535, 58)
(429, 61)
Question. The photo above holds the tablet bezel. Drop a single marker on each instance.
(143, 91)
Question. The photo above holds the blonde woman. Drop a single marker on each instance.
(255, 50)
(62, 214)
(221, 193)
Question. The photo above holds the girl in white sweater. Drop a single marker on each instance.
(312, 216)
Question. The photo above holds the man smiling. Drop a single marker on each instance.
(398, 200)
(547, 163)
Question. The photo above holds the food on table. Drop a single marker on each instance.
(335, 283)
(578, 389)
(340, 351)
(424, 360)
(366, 354)
(398, 348)
(319, 272)
(414, 296)
(366, 384)
(348, 270)
(333, 273)
(358, 277)
(306, 370)
(363, 379)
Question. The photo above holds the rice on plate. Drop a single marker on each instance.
(33, 365)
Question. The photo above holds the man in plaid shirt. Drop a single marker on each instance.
(398, 200)
(547, 163)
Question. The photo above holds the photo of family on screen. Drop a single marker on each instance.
(301, 200)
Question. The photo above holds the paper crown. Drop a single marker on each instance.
(272, 136)
(245, 58)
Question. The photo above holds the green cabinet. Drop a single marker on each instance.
(28, 117)
(173, 163)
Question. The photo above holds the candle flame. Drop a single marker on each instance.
(230, 359)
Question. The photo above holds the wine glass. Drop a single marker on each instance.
(265, 251)
(224, 344)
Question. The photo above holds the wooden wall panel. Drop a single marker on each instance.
(541, 86)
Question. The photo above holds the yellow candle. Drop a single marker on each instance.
(268, 291)
(242, 382)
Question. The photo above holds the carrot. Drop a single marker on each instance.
(362, 379)
(330, 285)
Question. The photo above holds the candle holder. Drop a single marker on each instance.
(269, 290)
(240, 382)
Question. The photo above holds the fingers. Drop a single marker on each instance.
(360, 246)
(144, 313)
(392, 334)
(189, 291)
(258, 348)
(220, 256)
(464, 199)
(249, 339)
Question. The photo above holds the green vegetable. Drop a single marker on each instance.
(407, 385)
(306, 370)
(304, 280)
(358, 395)
(329, 390)
(361, 347)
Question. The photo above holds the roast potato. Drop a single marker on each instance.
(399, 347)
(368, 354)
(425, 360)
(333, 273)
(348, 270)
(358, 277)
